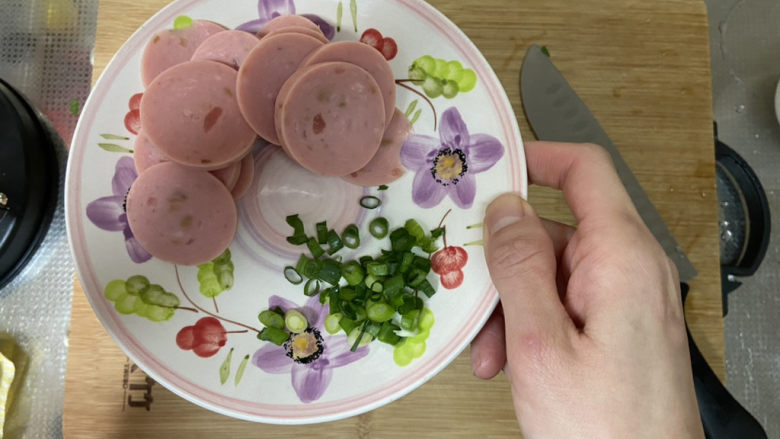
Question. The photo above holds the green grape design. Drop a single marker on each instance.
(414, 346)
(137, 296)
(439, 77)
(216, 277)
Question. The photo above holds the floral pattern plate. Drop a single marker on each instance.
(194, 329)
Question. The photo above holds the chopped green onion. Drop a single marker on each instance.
(311, 288)
(365, 260)
(347, 324)
(271, 319)
(437, 232)
(378, 227)
(352, 272)
(380, 312)
(359, 338)
(377, 269)
(410, 303)
(416, 276)
(370, 202)
(295, 321)
(423, 264)
(409, 320)
(274, 335)
(387, 334)
(330, 271)
(299, 235)
(347, 293)
(351, 237)
(393, 286)
(415, 229)
(322, 232)
(377, 287)
(334, 242)
(382, 187)
(307, 267)
(428, 245)
(332, 323)
(406, 262)
(314, 248)
(292, 275)
(426, 288)
(401, 240)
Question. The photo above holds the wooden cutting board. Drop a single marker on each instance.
(642, 67)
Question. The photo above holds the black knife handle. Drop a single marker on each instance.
(722, 415)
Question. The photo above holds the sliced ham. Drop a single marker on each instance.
(230, 47)
(385, 167)
(283, 21)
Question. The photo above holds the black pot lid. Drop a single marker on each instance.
(28, 182)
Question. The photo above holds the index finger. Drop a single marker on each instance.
(586, 175)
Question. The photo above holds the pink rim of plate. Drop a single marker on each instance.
(248, 410)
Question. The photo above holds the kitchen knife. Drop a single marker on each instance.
(556, 113)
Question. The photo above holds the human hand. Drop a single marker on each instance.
(591, 334)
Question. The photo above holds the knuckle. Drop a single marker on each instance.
(517, 258)
(597, 153)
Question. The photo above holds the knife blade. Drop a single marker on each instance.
(556, 113)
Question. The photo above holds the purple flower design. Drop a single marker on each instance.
(446, 166)
(108, 213)
(311, 375)
(267, 10)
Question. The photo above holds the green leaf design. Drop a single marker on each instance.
(112, 147)
(339, 13)
(410, 109)
(240, 371)
(415, 117)
(181, 22)
(216, 277)
(353, 10)
(224, 369)
(108, 136)
(137, 296)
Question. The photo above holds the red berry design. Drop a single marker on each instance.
(449, 259)
(373, 38)
(452, 280)
(205, 338)
(133, 121)
(135, 101)
(389, 48)
(386, 46)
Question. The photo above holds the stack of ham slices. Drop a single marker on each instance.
(210, 92)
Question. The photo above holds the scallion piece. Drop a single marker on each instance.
(377, 269)
(370, 202)
(393, 286)
(329, 271)
(274, 335)
(292, 275)
(401, 240)
(377, 287)
(382, 187)
(359, 338)
(415, 229)
(299, 235)
(351, 237)
(334, 242)
(314, 248)
(322, 232)
(378, 227)
(379, 312)
(347, 324)
(295, 321)
(416, 276)
(311, 288)
(423, 264)
(406, 262)
(387, 334)
(352, 272)
(332, 323)
(426, 288)
(409, 320)
(271, 319)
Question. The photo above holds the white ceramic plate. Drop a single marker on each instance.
(218, 334)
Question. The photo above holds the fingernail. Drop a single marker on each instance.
(504, 211)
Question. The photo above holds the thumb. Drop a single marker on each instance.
(521, 259)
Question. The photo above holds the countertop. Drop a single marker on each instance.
(644, 70)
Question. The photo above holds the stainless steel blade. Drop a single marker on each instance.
(556, 113)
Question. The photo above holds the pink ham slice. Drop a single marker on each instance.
(330, 118)
(385, 167)
(246, 176)
(147, 155)
(261, 76)
(230, 47)
(174, 46)
(180, 215)
(301, 30)
(191, 114)
(365, 56)
(287, 21)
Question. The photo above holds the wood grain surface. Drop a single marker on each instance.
(643, 69)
